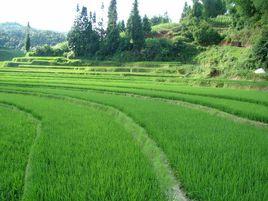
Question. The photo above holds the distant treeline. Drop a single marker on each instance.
(12, 35)
(202, 24)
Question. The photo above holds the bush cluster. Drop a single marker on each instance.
(46, 50)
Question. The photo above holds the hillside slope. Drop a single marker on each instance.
(12, 35)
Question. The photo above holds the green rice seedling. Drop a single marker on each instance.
(83, 154)
(213, 157)
(246, 109)
(17, 134)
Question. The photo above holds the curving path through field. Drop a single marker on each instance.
(199, 153)
(161, 168)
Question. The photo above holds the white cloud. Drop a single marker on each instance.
(58, 14)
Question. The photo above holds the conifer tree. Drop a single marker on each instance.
(86, 31)
(197, 10)
(186, 11)
(112, 15)
(28, 40)
(147, 28)
(113, 37)
(213, 8)
(74, 36)
(100, 28)
(82, 39)
(134, 28)
(122, 26)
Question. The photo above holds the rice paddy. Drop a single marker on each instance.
(109, 133)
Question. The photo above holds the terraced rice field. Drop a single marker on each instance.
(67, 134)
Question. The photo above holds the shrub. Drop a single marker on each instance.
(205, 35)
(260, 49)
(58, 50)
(45, 50)
(127, 56)
(124, 44)
(183, 51)
(157, 49)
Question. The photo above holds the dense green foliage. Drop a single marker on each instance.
(82, 39)
(46, 50)
(260, 49)
(203, 24)
(137, 41)
(213, 8)
(205, 35)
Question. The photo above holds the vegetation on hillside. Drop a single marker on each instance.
(205, 23)
(12, 35)
(205, 28)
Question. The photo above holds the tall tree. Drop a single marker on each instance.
(100, 25)
(147, 28)
(113, 37)
(74, 35)
(242, 10)
(134, 28)
(86, 31)
(112, 15)
(28, 40)
(122, 26)
(213, 8)
(186, 10)
(82, 39)
(197, 10)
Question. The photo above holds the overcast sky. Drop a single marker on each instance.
(58, 15)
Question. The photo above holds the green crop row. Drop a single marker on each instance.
(252, 96)
(89, 158)
(17, 133)
(213, 157)
(163, 75)
(250, 108)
